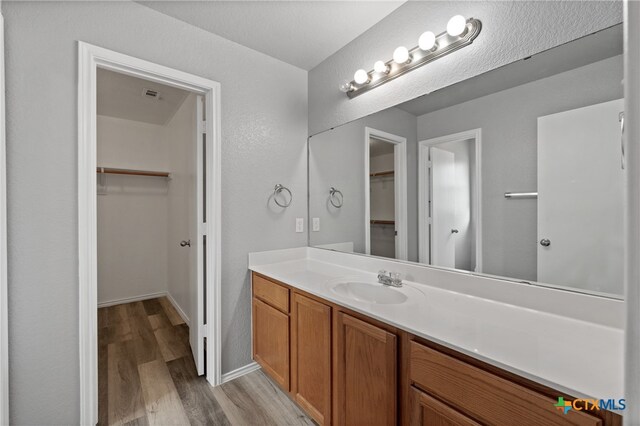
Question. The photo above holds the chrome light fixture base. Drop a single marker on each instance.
(445, 44)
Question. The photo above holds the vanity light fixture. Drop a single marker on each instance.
(427, 41)
(380, 67)
(460, 33)
(361, 77)
(401, 55)
(456, 26)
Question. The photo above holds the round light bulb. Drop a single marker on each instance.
(361, 76)
(345, 86)
(401, 55)
(427, 40)
(456, 25)
(380, 67)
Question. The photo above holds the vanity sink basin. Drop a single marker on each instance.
(370, 292)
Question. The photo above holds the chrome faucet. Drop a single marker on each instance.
(389, 278)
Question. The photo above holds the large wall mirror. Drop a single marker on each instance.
(516, 173)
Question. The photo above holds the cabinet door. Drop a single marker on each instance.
(311, 357)
(271, 341)
(365, 373)
(428, 411)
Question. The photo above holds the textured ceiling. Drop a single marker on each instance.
(121, 96)
(301, 33)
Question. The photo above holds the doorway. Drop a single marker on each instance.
(449, 183)
(204, 302)
(385, 179)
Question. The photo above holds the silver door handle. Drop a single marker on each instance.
(545, 242)
(185, 243)
(454, 231)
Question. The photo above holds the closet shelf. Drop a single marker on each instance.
(378, 174)
(383, 222)
(112, 171)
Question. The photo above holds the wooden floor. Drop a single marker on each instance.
(146, 376)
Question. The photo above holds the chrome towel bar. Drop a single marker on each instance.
(520, 195)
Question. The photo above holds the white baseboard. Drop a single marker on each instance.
(226, 377)
(178, 309)
(131, 299)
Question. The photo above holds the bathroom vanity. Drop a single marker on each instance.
(351, 351)
(500, 202)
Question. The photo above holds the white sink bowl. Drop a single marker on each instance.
(371, 292)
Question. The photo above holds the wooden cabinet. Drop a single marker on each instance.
(271, 293)
(271, 341)
(346, 369)
(311, 357)
(365, 379)
(428, 411)
(487, 397)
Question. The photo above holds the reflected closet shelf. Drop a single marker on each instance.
(379, 174)
(150, 173)
(383, 222)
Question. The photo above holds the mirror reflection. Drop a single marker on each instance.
(517, 173)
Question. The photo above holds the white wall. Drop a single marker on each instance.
(509, 154)
(132, 211)
(337, 159)
(509, 32)
(180, 135)
(264, 129)
(128, 144)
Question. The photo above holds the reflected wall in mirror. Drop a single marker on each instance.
(516, 173)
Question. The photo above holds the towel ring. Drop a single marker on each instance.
(277, 190)
(335, 197)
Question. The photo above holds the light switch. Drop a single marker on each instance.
(299, 224)
(316, 224)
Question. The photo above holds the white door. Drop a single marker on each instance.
(581, 198)
(198, 278)
(443, 208)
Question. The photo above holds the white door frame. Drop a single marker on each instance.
(4, 327)
(89, 59)
(423, 184)
(400, 175)
(632, 217)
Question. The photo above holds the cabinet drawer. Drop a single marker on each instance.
(483, 395)
(428, 411)
(271, 293)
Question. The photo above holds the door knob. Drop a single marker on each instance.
(545, 242)
(185, 243)
(454, 231)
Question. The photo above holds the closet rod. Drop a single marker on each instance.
(377, 174)
(382, 222)
(112, 171)
(520, 195)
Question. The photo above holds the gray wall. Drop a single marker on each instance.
(510, 31)
(509, 154)
(336, 158)
(264, 128)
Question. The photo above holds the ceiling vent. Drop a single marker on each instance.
(150, 93)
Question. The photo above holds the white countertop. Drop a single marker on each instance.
(573, 354)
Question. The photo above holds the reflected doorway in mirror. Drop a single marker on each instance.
(385, 180)
(449, 211)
